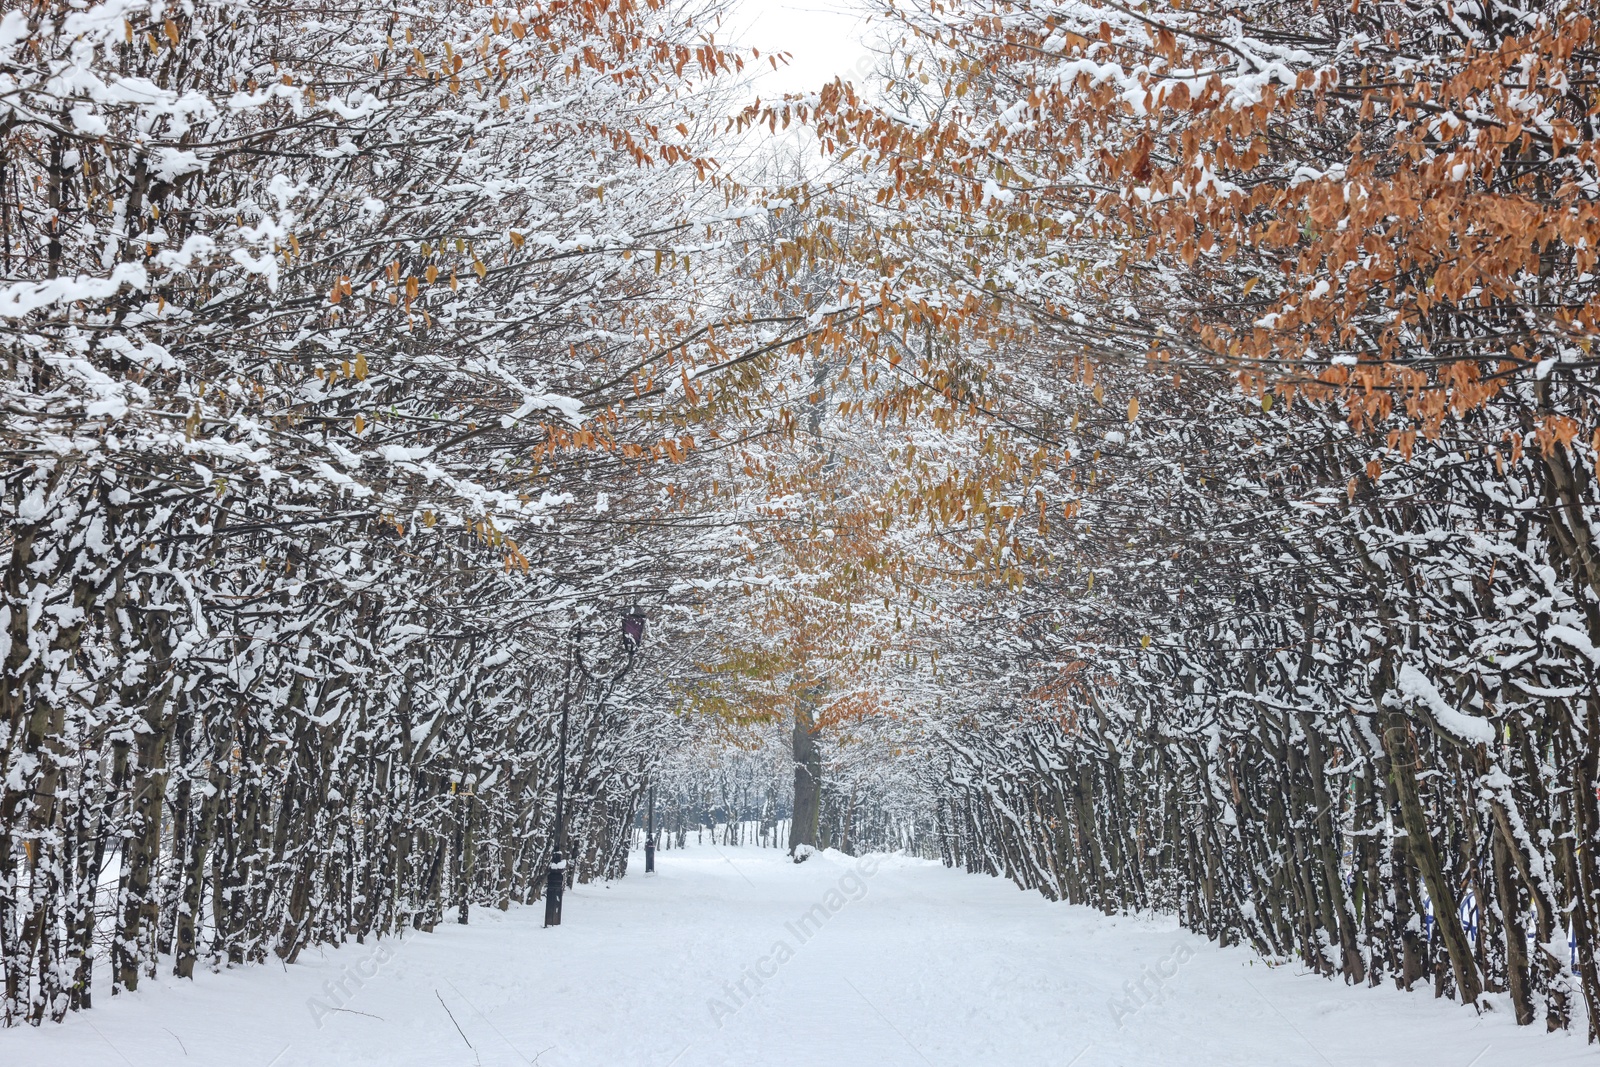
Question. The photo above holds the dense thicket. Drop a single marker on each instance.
(345, 349)
(1291, 620)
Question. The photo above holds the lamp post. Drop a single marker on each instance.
(650, 834)
(556, 877)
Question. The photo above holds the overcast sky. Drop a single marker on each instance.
(822, 36)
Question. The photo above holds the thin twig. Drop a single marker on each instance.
(453, 1022)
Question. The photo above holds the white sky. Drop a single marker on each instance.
(823, 38)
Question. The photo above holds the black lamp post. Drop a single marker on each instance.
(650, 834)
(556, 878)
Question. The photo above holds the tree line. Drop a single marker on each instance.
(347, 384)
(1274, 598)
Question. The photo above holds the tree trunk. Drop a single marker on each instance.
(143, 847)
(1402, 762)
(807, 775)
(185, 949)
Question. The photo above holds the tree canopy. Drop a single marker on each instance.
(1151, 456)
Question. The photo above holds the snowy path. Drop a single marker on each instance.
(927, 968)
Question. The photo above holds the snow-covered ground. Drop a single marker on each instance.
(901, 962)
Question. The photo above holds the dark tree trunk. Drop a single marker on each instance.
(807, 775)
